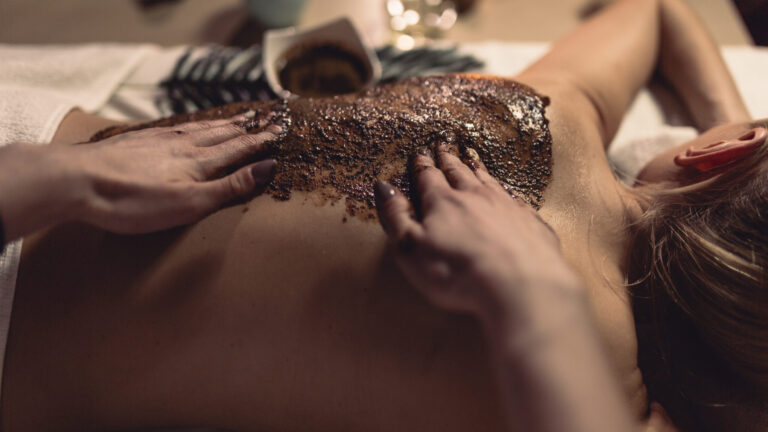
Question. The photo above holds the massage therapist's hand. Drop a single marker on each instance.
(476, 248)
(140, 181)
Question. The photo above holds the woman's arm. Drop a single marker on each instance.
(610, 57)
(691, 61)
(136, 182)
(604, 62)
(479, 251)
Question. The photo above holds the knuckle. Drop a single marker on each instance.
(205, 124)
(482, 190)
(238, 185)
(452, 170)
(189, 202)
(450, 159)
(250, 140)
(456, 201)
(217, 134)
(233, 129)
(183, 151)
(432, 197)
(488, 179)
(429, 177)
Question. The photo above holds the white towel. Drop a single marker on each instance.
(39, 85)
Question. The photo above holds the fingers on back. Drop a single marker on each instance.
(396, 215)
(430, 181)
(236, 150)
(245, 182)
(459, 175)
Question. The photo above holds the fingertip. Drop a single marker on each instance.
(447, 149)
(383, 191)
(275, 129)
(422, 159)
(422, 153)
(392, 206)
(447, 155)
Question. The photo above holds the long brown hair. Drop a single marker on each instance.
(698, 266)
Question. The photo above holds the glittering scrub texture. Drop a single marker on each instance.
(337, 147)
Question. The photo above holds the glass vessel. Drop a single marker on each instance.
(413, 22)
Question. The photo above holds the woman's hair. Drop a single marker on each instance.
(698, 268)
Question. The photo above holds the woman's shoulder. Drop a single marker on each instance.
(582, 176)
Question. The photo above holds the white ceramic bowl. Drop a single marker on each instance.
(340, 32)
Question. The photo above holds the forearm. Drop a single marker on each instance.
(38, 188)
(607, 59)
(552, 368)
(691, 61)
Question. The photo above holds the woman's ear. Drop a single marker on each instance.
(721, 153)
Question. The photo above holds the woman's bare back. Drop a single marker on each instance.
(275, 315)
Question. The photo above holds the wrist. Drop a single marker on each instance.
(519, 308)
(540, 328)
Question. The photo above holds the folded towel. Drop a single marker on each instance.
(40, 84)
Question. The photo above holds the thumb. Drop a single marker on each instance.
(248, 180)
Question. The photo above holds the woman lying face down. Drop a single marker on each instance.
(279, 315)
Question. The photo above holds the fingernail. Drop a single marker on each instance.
(471, 154)
(249, 114)
(447, 148)
(275, 129)
(383, 191)
(262, 172)
(424, 151)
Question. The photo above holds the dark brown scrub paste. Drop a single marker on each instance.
(338, 146)
(321, 71)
